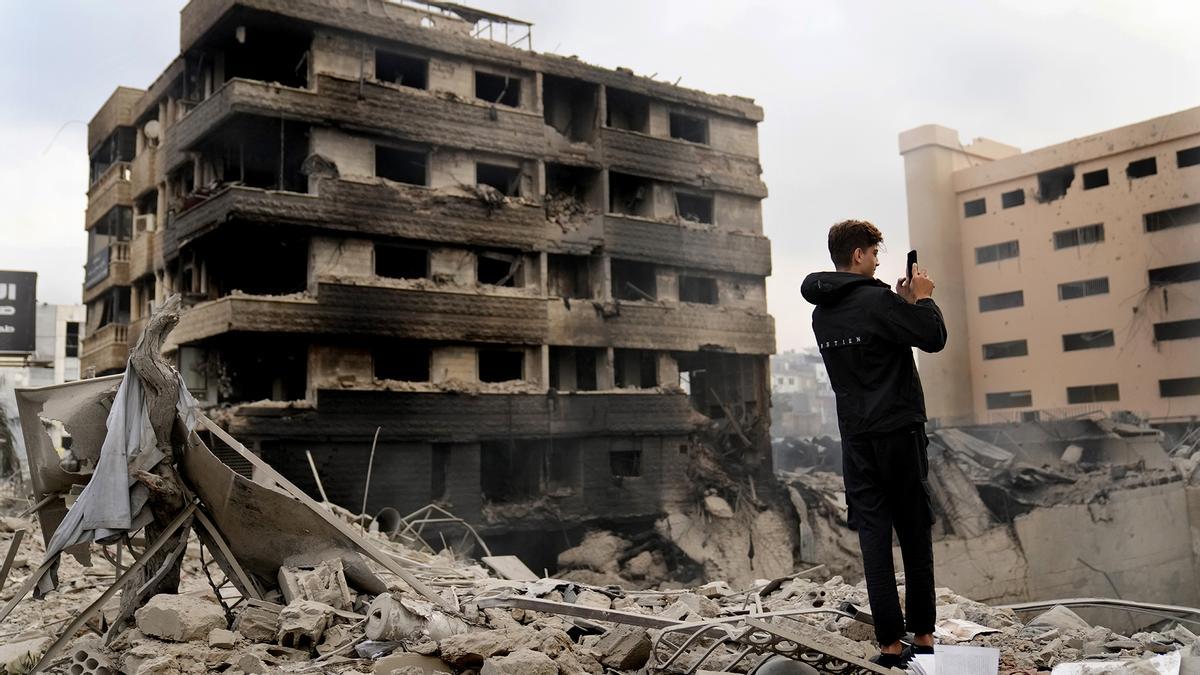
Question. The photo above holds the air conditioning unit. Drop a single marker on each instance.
(144, 223)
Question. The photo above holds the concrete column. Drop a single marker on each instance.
(932, 154)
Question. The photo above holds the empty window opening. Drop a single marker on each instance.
(1095, 179)
(501, 365)
(402, 166)
(146, 211)
(406, 71)
(439, 469)
(1083, 288)
(569, 276)
(1053, 184)
(689, 128)
(403, 362)
(1188, 157)
(1009, 399)
(716, 382)
(573, 368)
(571, 190)
(255, 370)
(267, 53)
(563, 466)
(1078, 236)
(401, 262)
(698, 289)
(506, 179)
(625, 463)
(1176, 217)
(501, 89)
(510, 471)
(72, 339)
(1180, 386)
(1142, 168)
(630, 195)
(635, 368)
(1010, 199)
(991, 303)
(975, 207)
(1175, 274)
(1169, 330)
(120, 146)
(694, 207)
(994, 252)
(499, 269)
(1005, 350)
(1096, 339)
(632, 280)
(1093, 393)
(627, 110)
(258, 152)
(570, 107)
(257, 260)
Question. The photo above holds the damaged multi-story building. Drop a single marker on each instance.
(1069, 273)
(527, 273)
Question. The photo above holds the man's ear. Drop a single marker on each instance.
(857, 256)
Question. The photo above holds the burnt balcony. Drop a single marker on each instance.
(661, 326)
(682, 162)
(106, 268)
(673, 244)
(105, 350)
(112, 188)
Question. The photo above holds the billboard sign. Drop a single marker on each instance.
(18, 311)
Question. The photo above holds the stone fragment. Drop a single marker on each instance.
(160, 665)
(717, 507)
(520, 662)
(470, 649)
(325, 583)
(248, 663)
(221, 638)
(598, 551)
(302, 623)
(624, 648)
(258, 622)
(590, 598)
(403, 664)
(179, 618)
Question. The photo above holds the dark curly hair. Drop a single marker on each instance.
(848, 235)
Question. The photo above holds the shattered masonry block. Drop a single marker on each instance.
(590, 598)
(624, 648)
(599, 551)
(401, 664)
(179, 618)
(325, 583)
(27, 652)
(302, 623)
(221, 638)
(258, 622)
(520, 662)
(470, 649)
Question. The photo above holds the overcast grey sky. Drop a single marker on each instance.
(838, 79)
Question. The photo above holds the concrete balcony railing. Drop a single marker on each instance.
(111, 189)
(684, 327)
(105, 350)
(674, 244)
(368, 310)
(106, 268)
(143, 171)
(143, 251)
(682, 162)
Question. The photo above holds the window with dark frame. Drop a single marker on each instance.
(1174, 274)
(401, 262)
(1177, 330)
(689, 128)
(634, 280)
(625, 463)
(1093, 393)
(1179, 216)
(626, 110)
(1010, 199)
(1179, 386)
(1095, 339)
(1009, 399)
(998, 301)
(506, 179)
(1095, 179)
(72, 342)
(1078, 236)
(1072, 290)
(975, 207)
(403, 363)
(996, 252)
(402, 166)
(697, 289)
(694, 207)
(1005, 350)
(401, 69)
(1142, 167)
(1187, 157)
(498, 269)
(501, 365)
(502, 89)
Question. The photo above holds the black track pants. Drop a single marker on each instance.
(886, 489)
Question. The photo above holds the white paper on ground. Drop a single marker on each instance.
(957, 660)
(959, 630)
(1163, 664)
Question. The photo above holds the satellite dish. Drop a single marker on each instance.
(151, 130)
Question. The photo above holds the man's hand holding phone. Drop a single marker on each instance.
(917, 285)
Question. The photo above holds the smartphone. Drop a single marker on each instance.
(912, 260)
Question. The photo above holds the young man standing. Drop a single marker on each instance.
(866, 333)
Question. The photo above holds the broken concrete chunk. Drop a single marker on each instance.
(324, 583)
(520, 662)
(179, 618)
(414, 664)
(624, 648)
(717, 507)
(18, 657)
(221, 638)
(470, 649)
(598, 551)
(303, 623)
(590, 598)
(258, 622)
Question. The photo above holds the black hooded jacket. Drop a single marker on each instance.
(866, 334)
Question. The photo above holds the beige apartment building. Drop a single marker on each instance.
(1069, 276)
